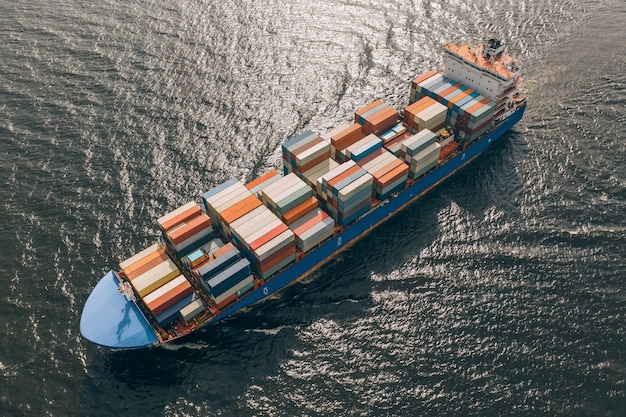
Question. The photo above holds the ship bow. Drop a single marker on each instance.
(110, 320)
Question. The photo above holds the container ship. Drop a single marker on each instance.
(245, 241)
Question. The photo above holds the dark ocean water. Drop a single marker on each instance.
(501, 293)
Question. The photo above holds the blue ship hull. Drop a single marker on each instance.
(111, 320)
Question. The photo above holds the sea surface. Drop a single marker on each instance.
(500, 293)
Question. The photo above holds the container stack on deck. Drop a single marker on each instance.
(186, 228)
(158, 281)
(285, 194)
(342, 139)
(304, 152)
(425, 113)
(469, 113)
(257, 231)
(421, 152)
(346, 192)
(389, 172)
(376, 117)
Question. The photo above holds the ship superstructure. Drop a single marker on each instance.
(246, 241)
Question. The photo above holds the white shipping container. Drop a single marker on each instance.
(162, 273)
(164, 289)
(269, 193)
(227, 202)
(313, 152)
(260, 229)
(223, 193)
(362, 183)
(265, 220)
(246, 217)
(191, 310)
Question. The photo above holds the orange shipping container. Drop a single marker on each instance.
(192, 227)
(142, 261)
(138, 269)
(422, 77)
(223, 249)
(170, 298)
(300, 210)
(360, 112)
(181, 218)
(347, 137)
(239, 209)
(262, 179)
(393, 175)
(386, 169)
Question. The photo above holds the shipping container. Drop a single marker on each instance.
(192, 310)
(155, 277)
(168, 294)
(180, 215)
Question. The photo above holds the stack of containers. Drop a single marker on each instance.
(344, 138)
(157, 280)
(225, 275)
(312, 229)
(416, 89)
(425, 113)
(186, 228)
(389, 172)
(265, 239)
(475, 118)
(263, 181)
(304, 152)
(470, 113)
(362, 148)
(300, 211)
(285, 194)
(346, 191)
(311, 176)
(376, 117)
(226, 204)
(421, 152)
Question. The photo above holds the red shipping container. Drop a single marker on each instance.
(267, 237)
